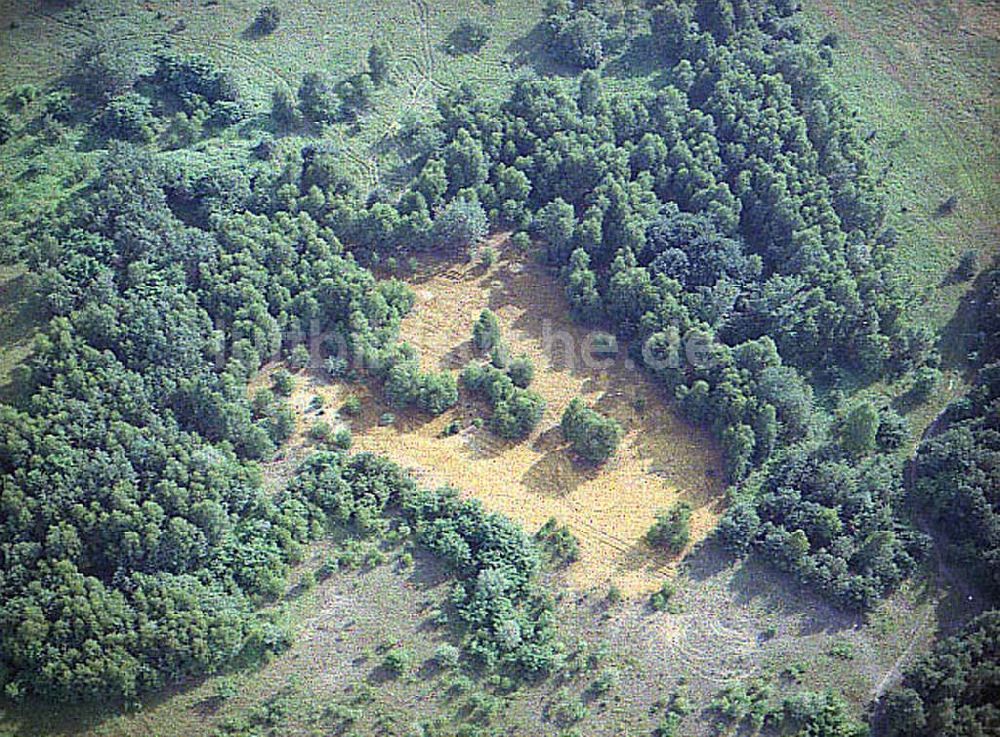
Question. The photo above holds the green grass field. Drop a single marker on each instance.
(922, 77)
(313, 36)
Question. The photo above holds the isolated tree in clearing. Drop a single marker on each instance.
(594, 437)
(672, 528)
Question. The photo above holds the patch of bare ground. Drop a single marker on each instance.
(661, 459)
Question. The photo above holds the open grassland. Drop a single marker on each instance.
(924, 78)
(38, 42)
(661, 459)
(728, 621)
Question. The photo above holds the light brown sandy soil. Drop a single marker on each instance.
(662, 459)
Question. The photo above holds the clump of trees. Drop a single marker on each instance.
(828, 521)
(593, 436)
(154, 509)
(504, 382)
(322, 99)
(138, 97)
(957, 475)
(672, 529)
(406, 385)
(949, 691)
(506, 616)
(516, 410)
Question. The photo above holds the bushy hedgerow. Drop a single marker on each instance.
(507, 620)
(516, 411)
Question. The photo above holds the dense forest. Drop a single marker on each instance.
(727, 226)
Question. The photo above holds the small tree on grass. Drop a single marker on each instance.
(398, 661)
(468, 37)
(486, 331)
(320, 431)
(560, 542)
(594, 437)
(517, 416)
(282, 382)
(266, 21)
(672, 528)
(660, 599)
(521, 371)
(947, 207)
(285, 108)
(380, 63)
(351, 406)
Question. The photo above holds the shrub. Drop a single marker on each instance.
(861, 429)
(925, 382)
(967, 265)
(660, 599)
(355, 95)
(468, 37)
(266, 21)
(672, 528)
(947, 207)
(128, 117)
(446, 655)
(486, 331)
(320, 431)
(351, 406)
(893, 429)
(108, 67)
(607, 680)
(594, 437)
(299, 358)
(580, 40)
(318, 101)
(521, 241)
(282, 382)
(521, 371)
(342, 439)
(6, 127)
(398, 661)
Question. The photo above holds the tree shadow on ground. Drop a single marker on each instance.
(531, 51)
(961, 335)
(556, 474)
(639, 59)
